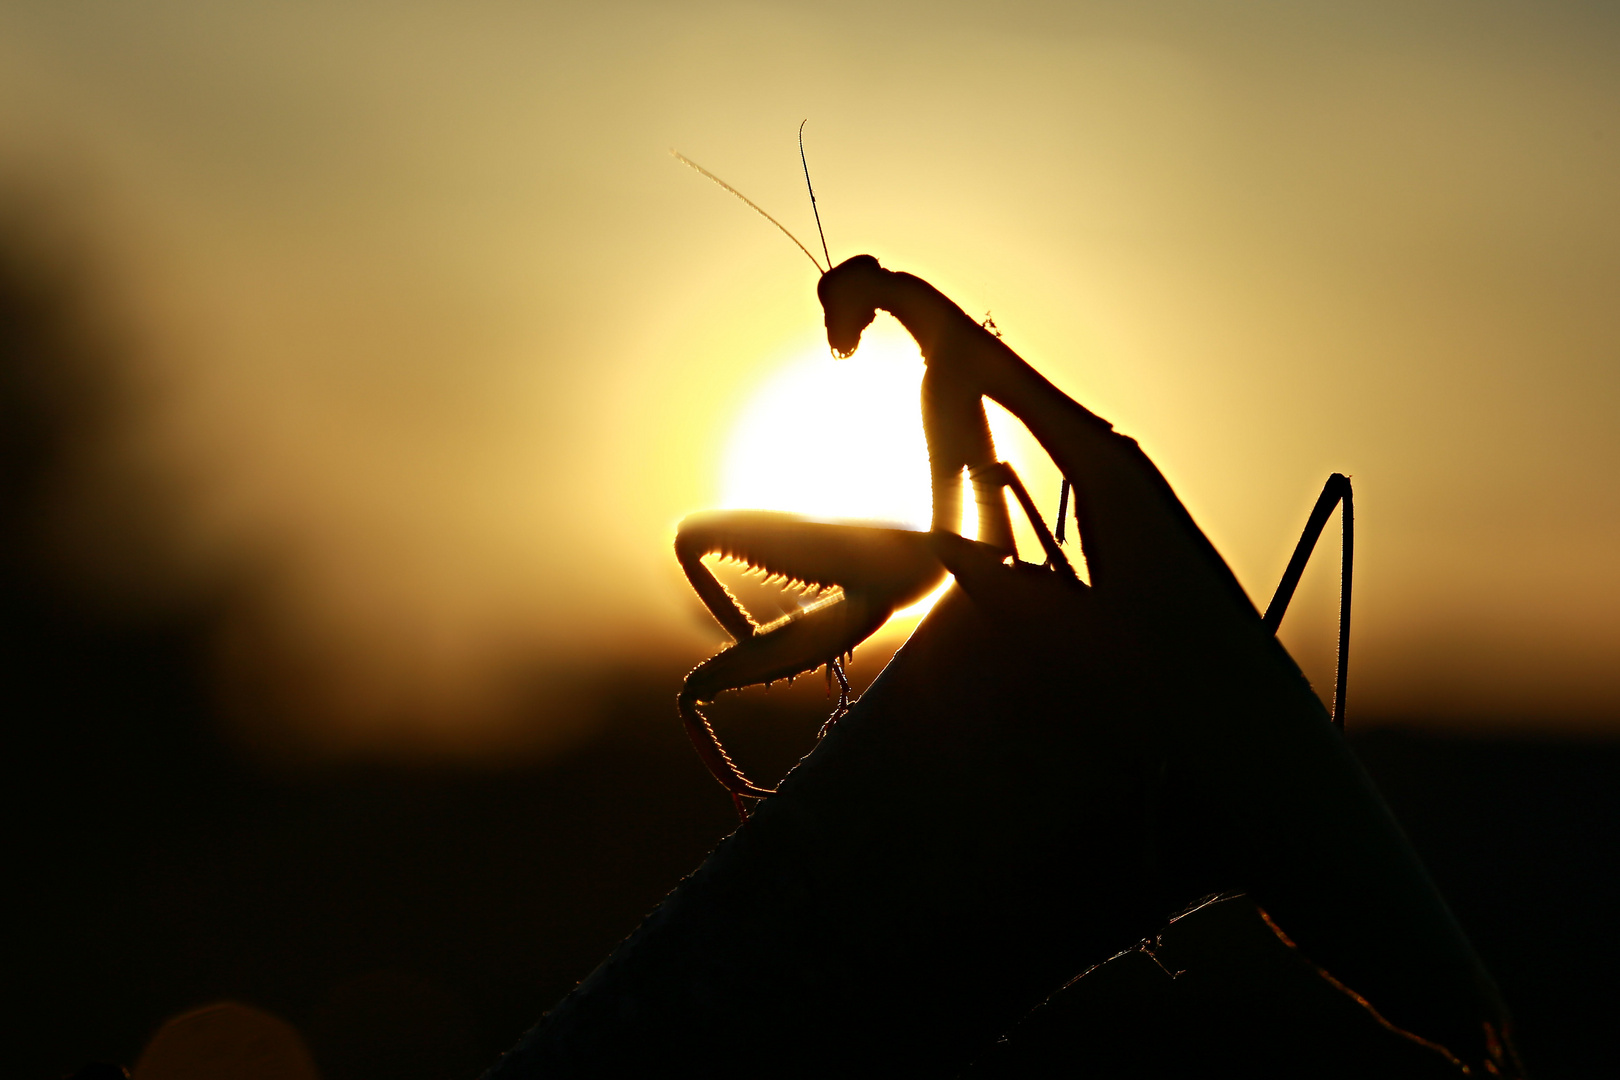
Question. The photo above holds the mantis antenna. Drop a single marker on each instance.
(689, 163)
(811, 188)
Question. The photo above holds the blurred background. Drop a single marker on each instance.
(360, 359)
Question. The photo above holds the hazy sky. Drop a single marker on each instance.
(437, 340)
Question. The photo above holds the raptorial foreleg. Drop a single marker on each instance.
(876, 570)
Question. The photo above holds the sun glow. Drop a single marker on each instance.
(840, 439)
(836, 438)
(843, 440)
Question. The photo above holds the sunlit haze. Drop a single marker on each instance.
(430, 343)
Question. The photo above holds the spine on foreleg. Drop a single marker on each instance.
(707, 744)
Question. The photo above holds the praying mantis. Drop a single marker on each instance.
(878, 570)
(1163, 653)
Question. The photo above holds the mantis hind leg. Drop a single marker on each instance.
(1336, 489)
(1001, 475)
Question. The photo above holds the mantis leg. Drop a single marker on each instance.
(871, 559)
(1336, 489)
(1000, 475)
(958, 435)
(820, 635)
(877, 570)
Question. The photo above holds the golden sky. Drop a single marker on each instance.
(437, 340)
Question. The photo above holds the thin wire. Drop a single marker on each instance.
(805, 162)
(689, 163)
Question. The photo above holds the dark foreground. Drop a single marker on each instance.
(412, 923)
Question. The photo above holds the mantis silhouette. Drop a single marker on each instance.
(875, 570)
(878, 570)
(1163, 638)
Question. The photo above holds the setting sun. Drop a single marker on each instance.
(840, 439)
(836, 438)
(843, 440)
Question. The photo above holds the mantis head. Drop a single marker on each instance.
(849, 295)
